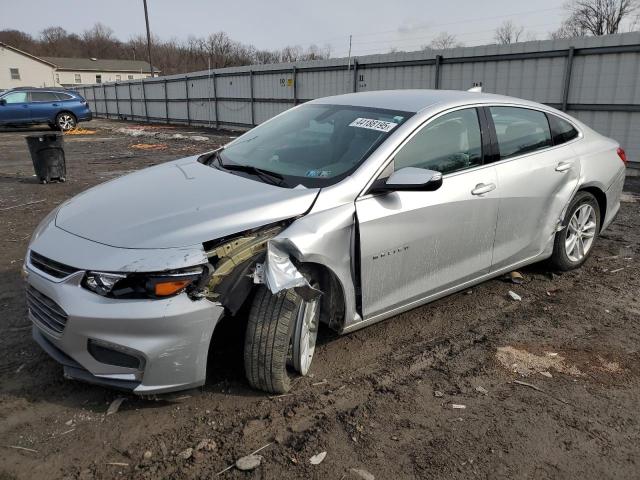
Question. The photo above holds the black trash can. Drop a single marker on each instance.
(47, 154)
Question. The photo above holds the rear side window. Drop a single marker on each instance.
(64, 96)
(450, 143)
(561, 130)
(520, 130)
(43, 97)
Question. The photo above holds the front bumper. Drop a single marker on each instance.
(170, 337)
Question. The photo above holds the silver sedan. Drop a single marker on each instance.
(336, 214)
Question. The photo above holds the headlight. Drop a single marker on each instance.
(141, 285)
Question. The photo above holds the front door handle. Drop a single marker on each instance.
(483, 188)
(563, 167)
(55, 105)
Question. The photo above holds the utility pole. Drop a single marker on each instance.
(146, 19)
(349, 64)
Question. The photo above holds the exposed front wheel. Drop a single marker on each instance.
(574, 242)
(281, 332)
(66, 121)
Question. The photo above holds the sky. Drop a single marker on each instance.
(376, 25)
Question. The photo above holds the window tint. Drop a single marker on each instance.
(561, 130)
(15, 73)
(450, 143)
(520, 130)
(43, 97)
(64, 96)
(16, 97)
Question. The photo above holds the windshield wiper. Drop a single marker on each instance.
(270, 177)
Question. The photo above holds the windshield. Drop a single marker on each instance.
(314, 145)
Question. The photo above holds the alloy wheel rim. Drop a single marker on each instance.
(309, 320)
(66, 122)
(581, 231)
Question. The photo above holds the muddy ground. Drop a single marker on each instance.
(382, 399)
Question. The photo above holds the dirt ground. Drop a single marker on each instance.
(386, 400)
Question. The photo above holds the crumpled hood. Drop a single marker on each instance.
(177, 204)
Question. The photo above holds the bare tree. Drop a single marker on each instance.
(595, 17)
(443, 41)
(508, 33)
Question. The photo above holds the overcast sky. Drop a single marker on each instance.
(376, 25)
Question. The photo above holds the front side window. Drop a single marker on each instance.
(15, 97)
(43, 97)
(78, 78)
(314, 145)
(15, 73)
(449, 143)
(98, 78)
(520, 130)
(561, 130)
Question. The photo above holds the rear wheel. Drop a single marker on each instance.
(66, 121)
(281, 331)
(574, 242)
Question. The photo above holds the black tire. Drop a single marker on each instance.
(267, 342)
(66, 121)
(560, 259)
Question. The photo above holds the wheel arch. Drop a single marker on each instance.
(600, 196)
(333, 294)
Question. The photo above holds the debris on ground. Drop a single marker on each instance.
(438, 394)
(516, 277)
(514, 296)
(457, 406)
(186, 454)
(246, 460)
(482, 390)
(80, 131)
(250, 462)
(147, 455)
(317, 459)
(115, 405)
(362, 473)
(525, 363)
(207, 445)
(199, 138)
(546, 374)
(150, 146)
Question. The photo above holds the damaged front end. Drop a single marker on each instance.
(246, 259)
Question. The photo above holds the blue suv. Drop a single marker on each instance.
(61, 109)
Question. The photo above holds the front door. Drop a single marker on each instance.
(16, 108)
(415, 244)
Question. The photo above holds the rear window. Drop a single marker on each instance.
(561, 130)
(43, 97)
(520, 130)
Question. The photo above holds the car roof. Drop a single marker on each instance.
(416, 100)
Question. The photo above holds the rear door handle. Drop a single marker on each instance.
(483, 188)
(563, 167)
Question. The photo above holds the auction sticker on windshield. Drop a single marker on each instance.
(373, 124)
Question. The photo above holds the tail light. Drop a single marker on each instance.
(623, 156)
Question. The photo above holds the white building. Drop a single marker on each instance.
(21, 69)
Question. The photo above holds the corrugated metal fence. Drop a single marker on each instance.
(596, 79)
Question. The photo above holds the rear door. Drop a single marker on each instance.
(537, 179)
(44, 106)
(414, 244)
(16, 108)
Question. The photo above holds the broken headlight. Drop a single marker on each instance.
(142, 285)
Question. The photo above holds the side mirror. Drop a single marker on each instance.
(409, 179)
(3, 101)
